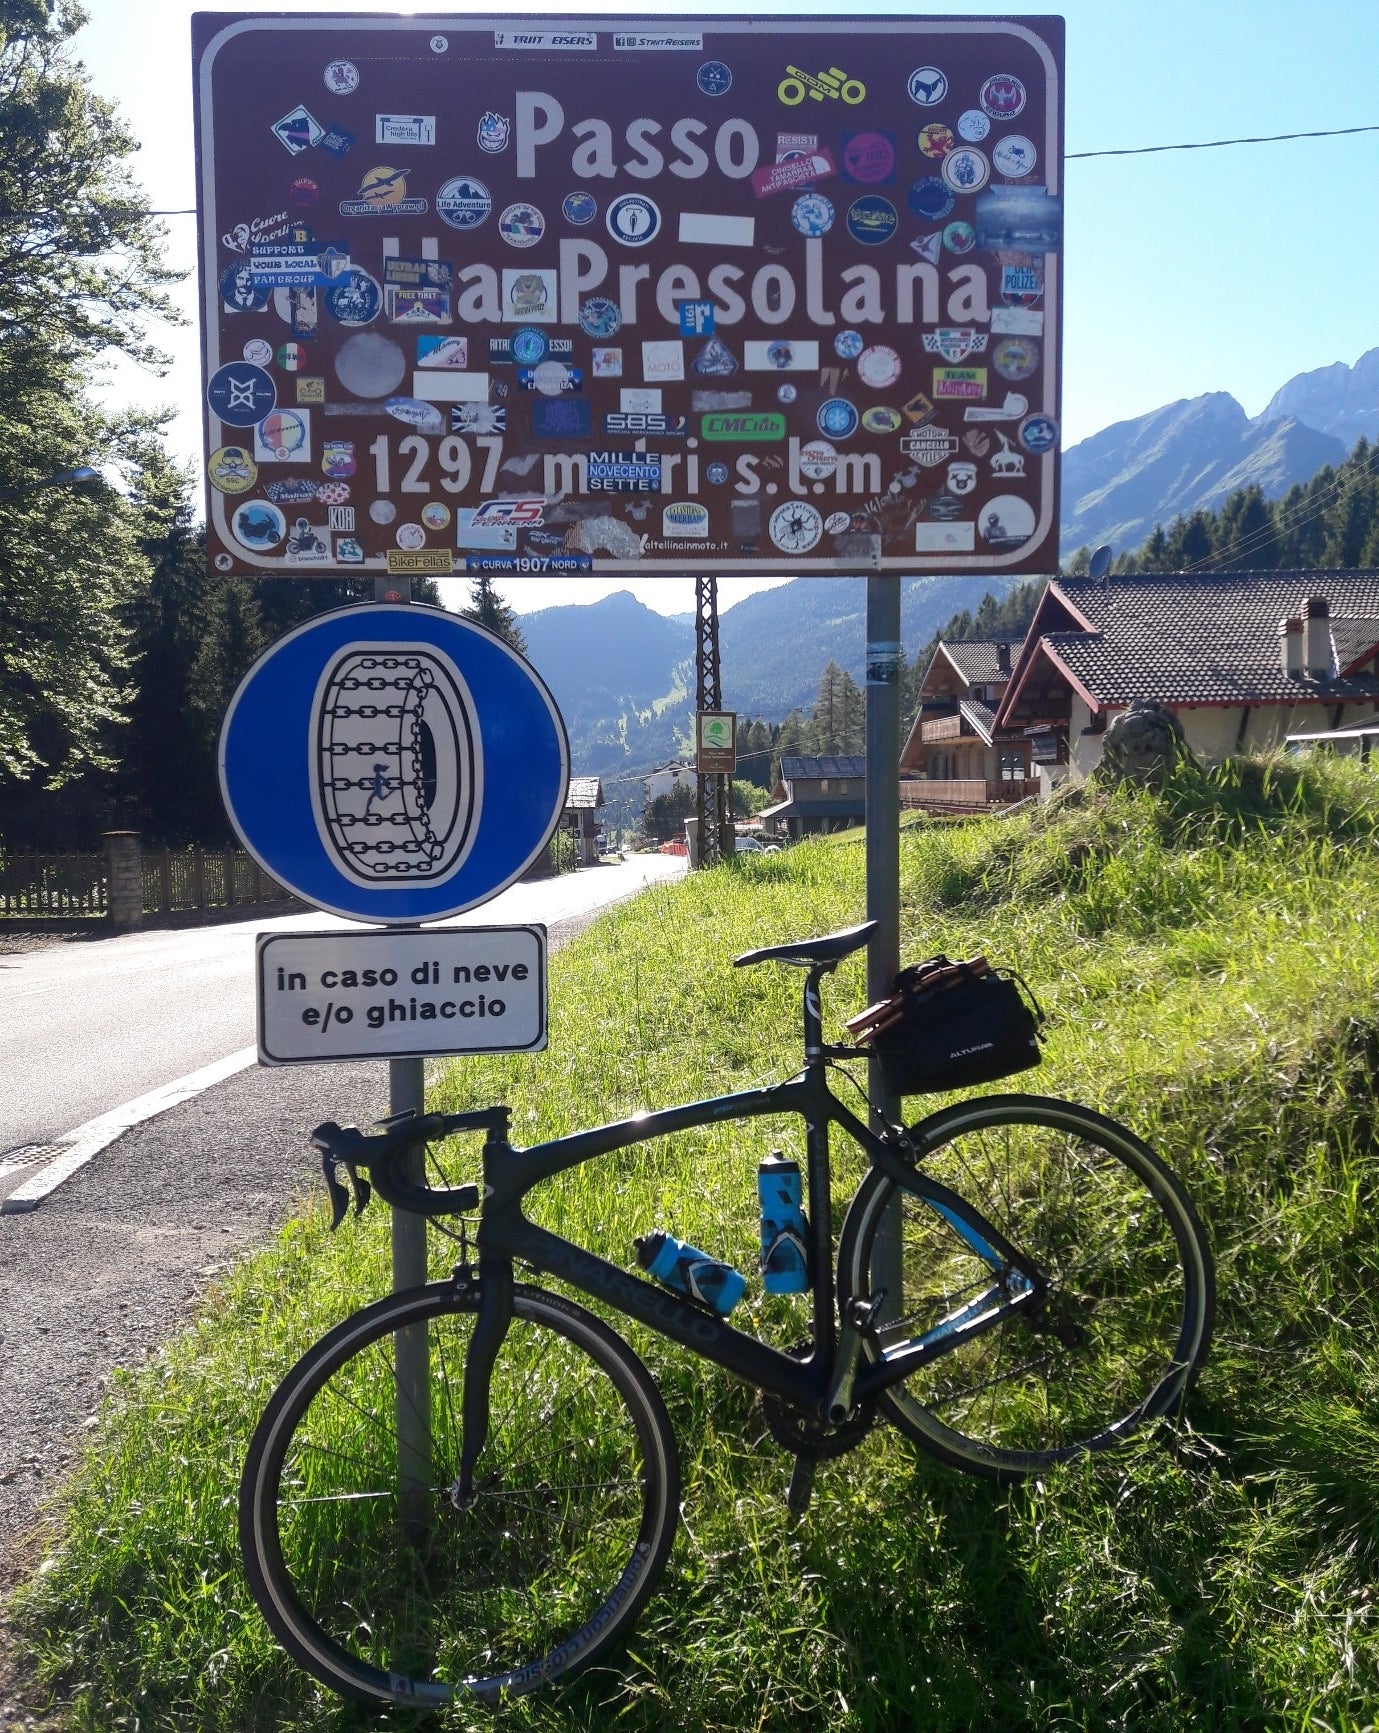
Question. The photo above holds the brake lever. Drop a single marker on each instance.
(339, 1196)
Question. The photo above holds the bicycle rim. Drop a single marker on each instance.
(575, 1508)
(1123, 1327)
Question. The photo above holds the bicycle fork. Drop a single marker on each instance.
(490, 1330)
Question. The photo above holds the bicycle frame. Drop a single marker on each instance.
(505, 1234)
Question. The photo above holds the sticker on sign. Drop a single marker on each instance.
(336, 996)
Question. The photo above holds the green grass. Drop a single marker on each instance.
(1209, 959)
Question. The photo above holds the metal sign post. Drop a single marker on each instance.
(883, 866)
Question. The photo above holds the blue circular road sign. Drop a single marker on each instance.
(393, 764)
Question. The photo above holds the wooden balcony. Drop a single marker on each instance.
(943, 728)
(971, 792)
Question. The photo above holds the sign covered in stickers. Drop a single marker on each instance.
(728, 296)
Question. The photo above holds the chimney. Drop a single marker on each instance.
(1003, 658)
(1290, 647)
(1317, 646)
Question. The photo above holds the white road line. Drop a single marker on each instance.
(77, 1147)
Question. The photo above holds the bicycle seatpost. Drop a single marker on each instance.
(814, 1049)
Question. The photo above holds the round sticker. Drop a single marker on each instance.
(464, 203)
(382, 187)
(1015, 357)
(292, 357)
(881, 418)
(551, 378)
(717, 473)
(966, 170)
(529, 346)
(837, 418)
(354, 298)
(521, 225)
(930, 198)
(959, 237)
(868, 158)
(1002, 96)
(600, 317)
(714, 78)
(871, 220)
(370, 365)
(786, 393)
(258, 525)
(579, 208)
(341, 76)
(973, 125)
(258, 353)
(817, 460)
(836, 522)
(241, 394)
(439, 44)
(633, 219)
(1006, 521)
(1038, 434)
(849, 345)
(1015, 156)
(435, 515)
(303, 192)
(936, 140)
(232, 470)
(812, 214)
(382, 511)
(796, 527)
(927, 86)
(410, 536)
(223, 563)
(332, 492)
(878, 367)
(239, 292)
(285, 432)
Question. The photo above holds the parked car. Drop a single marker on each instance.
(748, 845)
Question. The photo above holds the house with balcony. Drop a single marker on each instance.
(816, 795)
(954, 760)
(580, 820)
(1243, 659)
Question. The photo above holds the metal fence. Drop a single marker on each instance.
(41, 886)
(71, 886)
(195, 878)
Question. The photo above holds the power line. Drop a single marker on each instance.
(1131, 150)
(1218, 143)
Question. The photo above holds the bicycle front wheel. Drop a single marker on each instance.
(576, 1500)
(1116, 1338)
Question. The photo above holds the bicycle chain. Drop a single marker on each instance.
(805, 1434)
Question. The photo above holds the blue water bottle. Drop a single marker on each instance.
(686, 1270)
(784, 1249)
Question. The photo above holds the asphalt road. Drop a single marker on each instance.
(87, 1026)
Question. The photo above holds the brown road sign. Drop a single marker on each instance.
(718, 295)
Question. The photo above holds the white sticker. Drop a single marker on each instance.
(944, 538)
(781, 355)
(663, 358)
(635, 402)
(697, 229)
(447, 387)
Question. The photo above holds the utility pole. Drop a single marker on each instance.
(711, 792)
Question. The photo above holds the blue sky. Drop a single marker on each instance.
(1213, 270)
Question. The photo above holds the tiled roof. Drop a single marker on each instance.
(585, 792)
(1352, 639)
(1208, 638)
(795, 769)
(981, 716)
(978, 662)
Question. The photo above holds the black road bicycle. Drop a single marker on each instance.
(1018, 1281)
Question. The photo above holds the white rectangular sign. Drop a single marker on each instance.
(400, 995)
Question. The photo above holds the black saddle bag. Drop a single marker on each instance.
(950, 1025)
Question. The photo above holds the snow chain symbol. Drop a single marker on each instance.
(796, 85)
(397, 765)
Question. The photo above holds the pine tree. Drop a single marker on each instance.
(487, 608)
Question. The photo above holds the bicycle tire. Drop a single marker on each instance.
(1127, 1320)
(577, 1502)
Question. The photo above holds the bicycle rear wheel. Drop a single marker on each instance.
(1123, 1327)
(577, 1494)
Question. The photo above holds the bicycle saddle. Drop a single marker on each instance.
(832, 948)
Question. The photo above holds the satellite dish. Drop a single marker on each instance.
(1100, 562)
